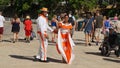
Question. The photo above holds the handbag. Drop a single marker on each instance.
(87, 24)
(33, 35)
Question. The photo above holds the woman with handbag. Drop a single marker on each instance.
(89, 26)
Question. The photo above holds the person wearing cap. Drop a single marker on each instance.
(28, 28)
(43, 27)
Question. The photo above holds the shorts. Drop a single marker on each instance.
(87, 31)
(27, 32)
(98, 32)
(1, 30)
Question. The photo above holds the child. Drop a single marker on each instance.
(28, 28)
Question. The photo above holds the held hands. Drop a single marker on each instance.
(46, 36)
(55, 31)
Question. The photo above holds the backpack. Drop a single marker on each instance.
(71, 21)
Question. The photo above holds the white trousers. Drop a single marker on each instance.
(42, 52)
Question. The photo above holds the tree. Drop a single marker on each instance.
(4, 2)
(83, 5)
(25, 6)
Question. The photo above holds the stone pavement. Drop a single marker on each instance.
(20, 54)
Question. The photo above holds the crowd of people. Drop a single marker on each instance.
(62, 30)
(97, 25)
(64, 41)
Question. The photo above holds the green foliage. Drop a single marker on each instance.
(110, 13)
(25, 6)
(22, 6)
(83, 4)
(118, 1)
(76, 16)
(104, 4)
(4, 2)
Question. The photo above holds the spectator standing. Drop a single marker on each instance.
(93, 30)
(116, 17)
(72, 20)
(2, 20)
(118, 25)
(98, 26)
(15, 27)
(106, 26)
(43, 27)
(54, 26)
(88, 25)
(28, 28)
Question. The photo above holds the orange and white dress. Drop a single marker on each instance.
(65, 43)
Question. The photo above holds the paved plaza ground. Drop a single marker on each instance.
(20, 54)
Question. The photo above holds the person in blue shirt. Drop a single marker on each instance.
(54, 24)
(106, 26)
(88, 27)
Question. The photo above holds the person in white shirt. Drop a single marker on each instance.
(42, 25)
(2, 19)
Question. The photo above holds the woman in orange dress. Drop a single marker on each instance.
(65, 43)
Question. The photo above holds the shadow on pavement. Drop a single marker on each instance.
(78, 40)
(7, 41)
(51, 43)
(54, 60)
(79, 43)
(31, 58)
(22, 57)
(112, 60)
(21, 40)
(94, 53)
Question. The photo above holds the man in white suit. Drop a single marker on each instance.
(42, 25)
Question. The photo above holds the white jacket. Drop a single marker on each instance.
(42, 25)
(2, 19)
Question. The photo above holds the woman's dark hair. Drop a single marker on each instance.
(16, 16)
(66, 15)
(88, 16)
(107, 17)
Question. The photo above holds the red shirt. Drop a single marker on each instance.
(28, 24)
